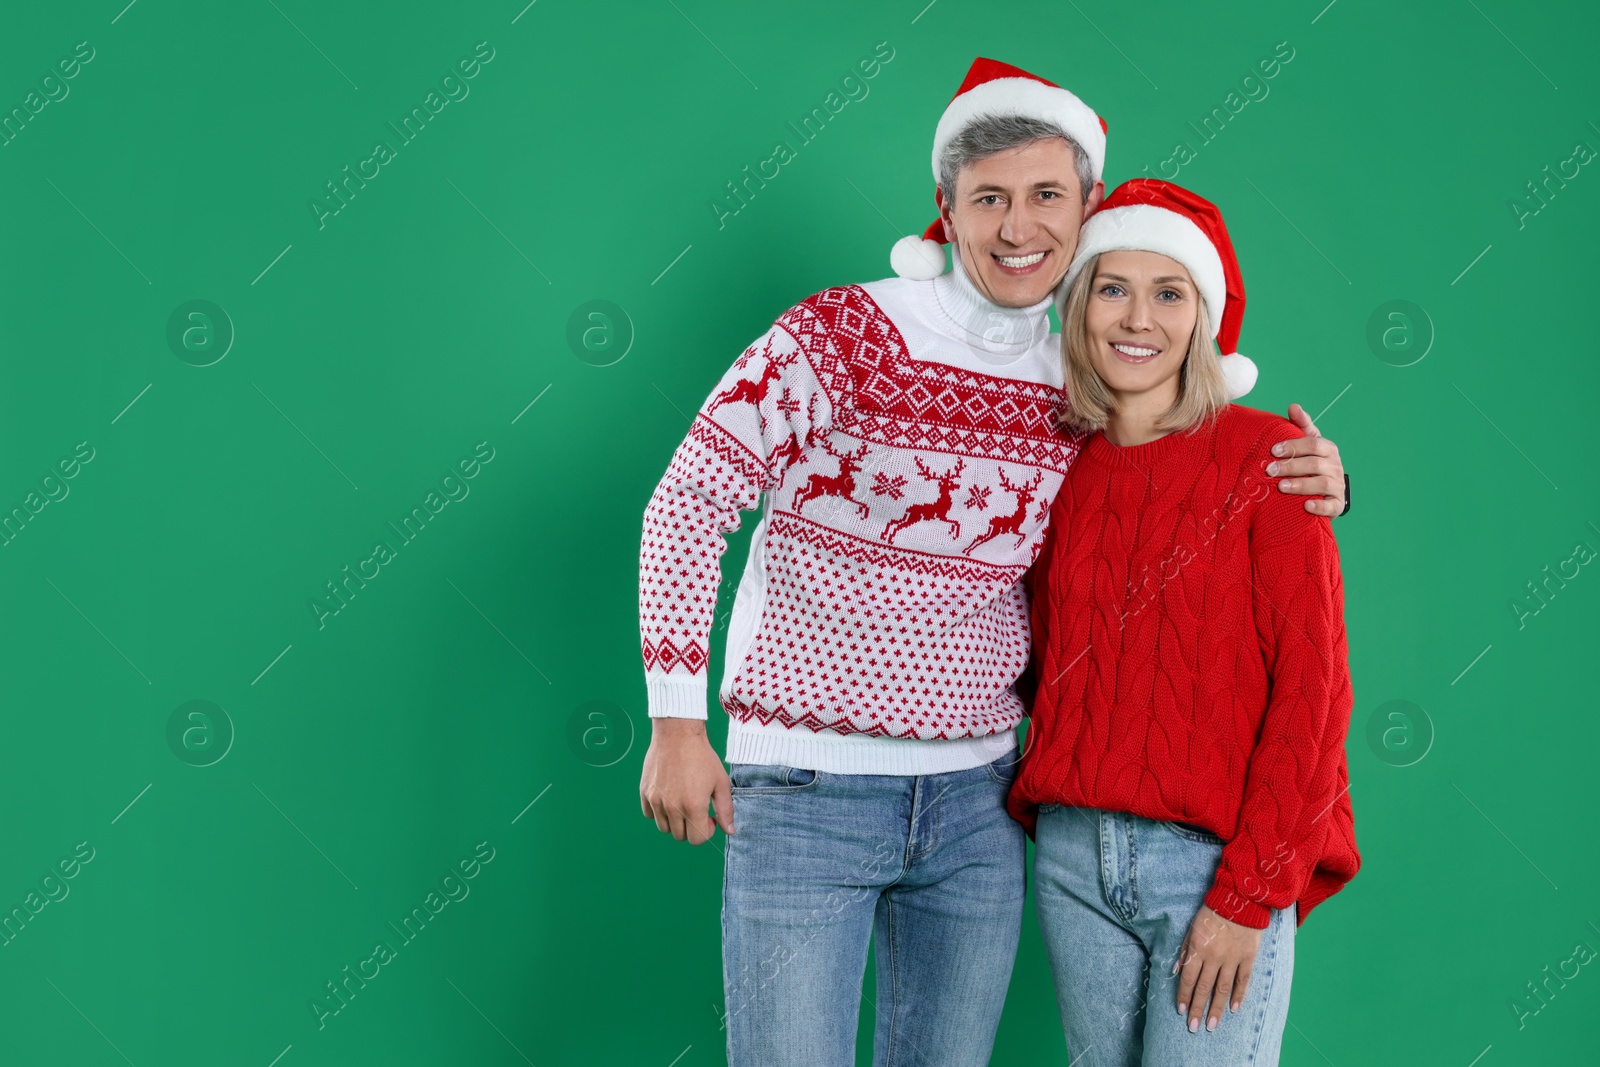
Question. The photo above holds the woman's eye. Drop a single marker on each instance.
(1111, 290)
(1170, 295)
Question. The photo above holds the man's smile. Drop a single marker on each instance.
(1020, 265)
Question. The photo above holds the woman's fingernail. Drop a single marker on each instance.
(1211, 1024)
(1284, 486)
(1182, 1008)
(1277, 449)
(1194, 1026)
(1272, 468)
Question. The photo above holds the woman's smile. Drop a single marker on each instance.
(1134, 351)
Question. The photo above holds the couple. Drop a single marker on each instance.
(965, 514)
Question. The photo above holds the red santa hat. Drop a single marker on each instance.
(1150, 215)
(992, 88)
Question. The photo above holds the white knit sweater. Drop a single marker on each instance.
(900, 435)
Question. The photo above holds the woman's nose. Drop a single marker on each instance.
(1137, 315)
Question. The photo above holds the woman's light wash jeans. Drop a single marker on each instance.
(1115, 895)
(820, 864)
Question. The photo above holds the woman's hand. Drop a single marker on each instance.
(1216, 959)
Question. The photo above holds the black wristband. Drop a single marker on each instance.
(1346, 510)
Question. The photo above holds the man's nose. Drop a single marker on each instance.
(1019, 225)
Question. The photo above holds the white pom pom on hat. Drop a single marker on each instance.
(917, 258)
(1239, 371)
(995, 88)
(1151, 215)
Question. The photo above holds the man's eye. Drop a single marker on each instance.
(1048, 193)
(990, 199)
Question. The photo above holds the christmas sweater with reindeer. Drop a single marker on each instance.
(899, 437)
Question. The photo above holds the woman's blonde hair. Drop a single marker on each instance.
(1202, 392)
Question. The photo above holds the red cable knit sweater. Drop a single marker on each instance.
(1189, 642)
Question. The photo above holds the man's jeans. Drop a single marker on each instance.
(1115, 896)
(931, 866)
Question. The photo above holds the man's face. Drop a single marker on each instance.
(1014, 218)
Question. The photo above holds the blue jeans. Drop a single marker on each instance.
(930, 866)
(1115, 896)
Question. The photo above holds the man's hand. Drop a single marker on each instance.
(682, 774)
(1311, 466)
(1216, 959)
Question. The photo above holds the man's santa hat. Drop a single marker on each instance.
(993, 88)
(1150, 215)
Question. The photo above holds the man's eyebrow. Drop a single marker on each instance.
(1049, 183)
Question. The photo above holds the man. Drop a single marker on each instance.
(902, 435)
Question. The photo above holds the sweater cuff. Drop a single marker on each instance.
(676, 696)
(1236, 909)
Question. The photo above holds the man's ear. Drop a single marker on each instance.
(944, 215)
(1097, 195)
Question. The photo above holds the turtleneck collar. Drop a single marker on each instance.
(993, 330)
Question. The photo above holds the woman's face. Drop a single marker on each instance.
(1139, 319)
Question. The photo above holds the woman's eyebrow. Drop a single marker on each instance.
(1164, 280)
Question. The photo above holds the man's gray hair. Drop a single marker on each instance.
(992, 134)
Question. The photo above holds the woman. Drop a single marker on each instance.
(1185, 777)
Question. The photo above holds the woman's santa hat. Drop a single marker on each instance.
(1150, 215)
(993, 88)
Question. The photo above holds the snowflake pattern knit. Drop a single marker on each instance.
(907, 474)
(1192, 663)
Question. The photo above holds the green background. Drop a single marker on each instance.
(451, 702)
